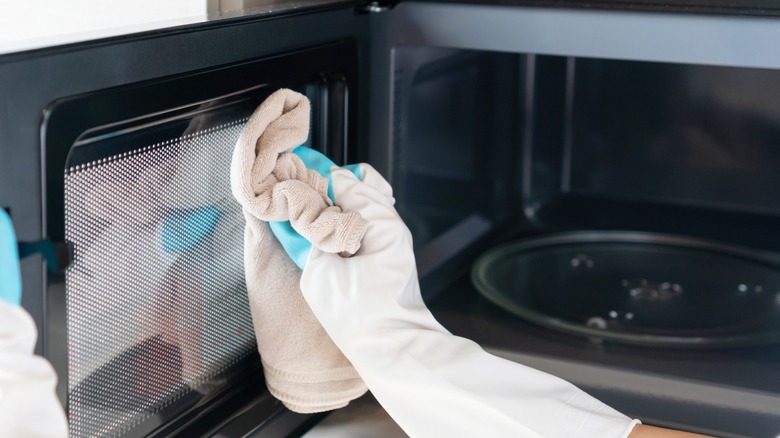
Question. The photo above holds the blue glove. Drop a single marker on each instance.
(296, 246)
(10, 275)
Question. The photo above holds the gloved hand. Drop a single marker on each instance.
(431, 382)
(28, 405)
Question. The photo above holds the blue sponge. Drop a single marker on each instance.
(296, 246)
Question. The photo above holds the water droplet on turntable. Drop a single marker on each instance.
(742, 288)
(656, 292)
(597, 322)
(613, 314)
(758, 289)
(629, 316)
(624, 283)
(582, 260)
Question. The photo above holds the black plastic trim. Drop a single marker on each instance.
(211, 414)
(334, 117)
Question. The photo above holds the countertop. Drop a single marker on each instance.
(362, 418)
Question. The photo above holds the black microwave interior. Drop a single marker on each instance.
(492, 147)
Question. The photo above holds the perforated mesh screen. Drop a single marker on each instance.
(156, 300)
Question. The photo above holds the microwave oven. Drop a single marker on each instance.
(495, 121)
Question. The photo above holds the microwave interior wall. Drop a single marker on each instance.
(551, 143)
(492, 130)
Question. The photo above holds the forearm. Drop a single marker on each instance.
(431, 382)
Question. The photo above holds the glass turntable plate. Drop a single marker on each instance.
(638, 288)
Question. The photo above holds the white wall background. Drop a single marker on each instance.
(29, 24)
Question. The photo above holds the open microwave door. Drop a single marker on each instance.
(121, 156)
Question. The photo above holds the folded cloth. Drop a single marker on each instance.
(303, 367)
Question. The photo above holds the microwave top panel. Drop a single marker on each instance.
(30, 27)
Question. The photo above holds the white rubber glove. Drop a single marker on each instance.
(28, 404)
(431, 382)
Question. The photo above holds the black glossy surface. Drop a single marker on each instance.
(675, 134)
(670, 148)
(572, 212)
(245, 409)
(443, 146)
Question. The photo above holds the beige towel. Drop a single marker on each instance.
(302, 366)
